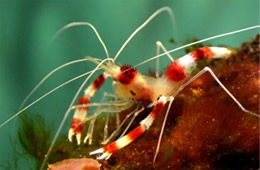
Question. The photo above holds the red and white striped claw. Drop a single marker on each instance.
(81, 111)
(76, 129)
(78, 136)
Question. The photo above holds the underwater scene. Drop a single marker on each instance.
(169, 84)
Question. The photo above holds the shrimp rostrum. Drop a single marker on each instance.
(132, 87)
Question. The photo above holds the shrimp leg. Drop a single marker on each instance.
(160, 46)
(92, 123)
(134, 134)
(207, 69)
(81, 112)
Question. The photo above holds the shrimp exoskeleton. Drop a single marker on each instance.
(131, 87)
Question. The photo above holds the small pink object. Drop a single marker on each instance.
(75, 164)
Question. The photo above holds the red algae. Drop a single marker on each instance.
(75, 164)
(205, 128)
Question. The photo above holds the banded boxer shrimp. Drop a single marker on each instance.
(125, 77)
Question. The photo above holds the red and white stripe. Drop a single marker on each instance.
(176, 71)
(80, 113)
(134, 134)
(182, 68)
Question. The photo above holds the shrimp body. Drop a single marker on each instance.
(147, 88)
(130, 84)
(131, 87)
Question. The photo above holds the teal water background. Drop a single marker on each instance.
(27, 53)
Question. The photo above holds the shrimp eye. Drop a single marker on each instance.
(132, 92)
(127, 74)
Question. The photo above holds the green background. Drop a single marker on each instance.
(27, 53)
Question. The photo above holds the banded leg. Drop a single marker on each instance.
(160, 46)
(81, 112)
(113, 108)
(134, 134)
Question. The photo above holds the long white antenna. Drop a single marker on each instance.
(73, 24)
(200, 41)
(46, 77)
(42, 97)
(169, 10)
